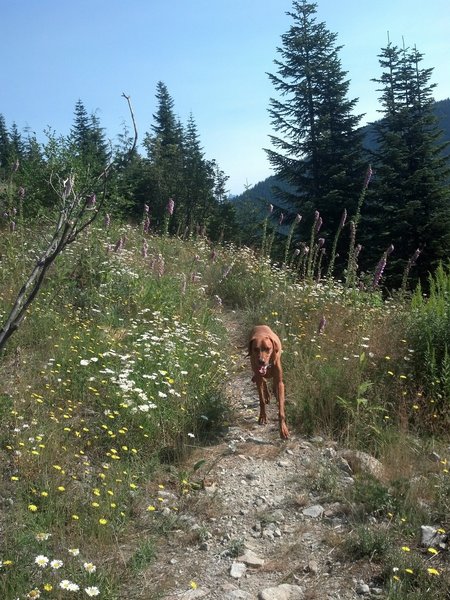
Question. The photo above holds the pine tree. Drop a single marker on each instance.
(87, 140)
(318, 148)
(6, 151)
(16, 143)
(164, 146)
(198, 178)
(409, 202)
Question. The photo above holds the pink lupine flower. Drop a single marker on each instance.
(213, 255)
(318, 224)
(368, 177)
(170, 206)
(321, 242)
(146, 224)
(160, 265)
(145, 248)
(119, 244)
(146, 208)
(107, 221)
(322, 324)
(379, 271)
(381, 266)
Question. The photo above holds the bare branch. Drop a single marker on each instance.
(76, 214)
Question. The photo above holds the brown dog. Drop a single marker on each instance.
(264, 349)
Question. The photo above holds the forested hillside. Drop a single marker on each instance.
(263, 192)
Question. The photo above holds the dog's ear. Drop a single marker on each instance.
(276, 345)
(250, 345)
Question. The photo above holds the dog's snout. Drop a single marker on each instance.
(261, 361)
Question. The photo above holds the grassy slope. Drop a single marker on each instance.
(118, 369)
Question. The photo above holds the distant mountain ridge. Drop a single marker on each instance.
(262, 192)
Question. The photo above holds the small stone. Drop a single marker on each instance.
(284, 591)
(237, 595)
(237, 570)
(315, 511)
(194, 594)
(317, 439)
(430, 536)
(330, 453)
(312, 567)
(362, 589)
(259, 440)
(278, 516)
(277, 532)
(344, 466)
(251, 559)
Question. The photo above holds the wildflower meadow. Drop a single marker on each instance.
(119, 370)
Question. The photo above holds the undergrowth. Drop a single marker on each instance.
(118, 372)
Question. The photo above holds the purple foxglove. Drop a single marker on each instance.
(170, 206)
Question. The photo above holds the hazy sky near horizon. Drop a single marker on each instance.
(213, 56)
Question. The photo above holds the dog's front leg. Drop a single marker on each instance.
(279, 392)
(263, 394)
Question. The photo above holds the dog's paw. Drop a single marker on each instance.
(284, 431)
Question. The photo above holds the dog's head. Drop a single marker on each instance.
(262, 350)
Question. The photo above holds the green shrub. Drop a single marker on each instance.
(429, 337)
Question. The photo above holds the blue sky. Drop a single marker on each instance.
(213, 55)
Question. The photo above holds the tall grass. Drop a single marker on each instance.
(119, 367)
(116, 369)
(429, 334)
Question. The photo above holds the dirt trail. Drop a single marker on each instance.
(256, 530)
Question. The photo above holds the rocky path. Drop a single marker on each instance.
(259, 528)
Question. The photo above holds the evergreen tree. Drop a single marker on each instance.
(318, 149)
(164, 146)
(88, 140)
(198, 178)
(16, 143)
(6, 151)
(409, 203)
(35, 177)
(128, 184)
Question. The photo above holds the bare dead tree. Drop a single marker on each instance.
(77, 212)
